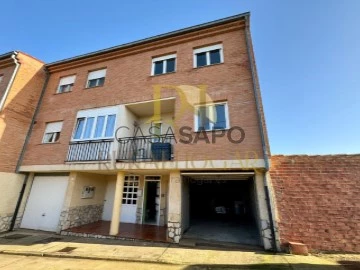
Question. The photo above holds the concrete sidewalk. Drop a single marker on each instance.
(51, 245)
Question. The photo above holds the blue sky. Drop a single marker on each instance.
(307, 53)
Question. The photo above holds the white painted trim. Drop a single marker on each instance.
(143, 207)
(208, 48)
(148, 101)
(161, 58)
(163, 166)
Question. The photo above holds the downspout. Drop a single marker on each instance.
(262, 131)
(17, 66)
(21, 157)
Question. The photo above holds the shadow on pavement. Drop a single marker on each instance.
(301, 266)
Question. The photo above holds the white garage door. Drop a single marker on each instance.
(130, 192)
(46, 199)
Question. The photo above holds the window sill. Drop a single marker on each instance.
(59, 93)
(49, 143)
(86, 88)
(211, 130)
(167, 73)
(209, 65)
(92, 140)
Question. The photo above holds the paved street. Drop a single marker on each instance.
(15, 262)
(35, 250)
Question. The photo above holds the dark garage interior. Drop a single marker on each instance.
(223, 211)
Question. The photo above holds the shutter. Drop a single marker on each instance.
(97, 74)
(67, 80)
(53, 127)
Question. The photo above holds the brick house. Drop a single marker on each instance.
(163, 139)
(21, 80)
(150, 135)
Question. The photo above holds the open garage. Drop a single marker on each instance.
(222, 208)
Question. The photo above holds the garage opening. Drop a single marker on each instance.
(222, 208)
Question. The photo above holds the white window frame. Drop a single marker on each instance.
(164, 59)
(196, 115)
(56, 130)
(133, 179)
(97, 78)
(207, 51)
(95, 113)
(69, 85)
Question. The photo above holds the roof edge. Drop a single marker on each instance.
(8, 54)
(153, 38)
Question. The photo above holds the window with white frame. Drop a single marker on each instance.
(130, 192)
(96, 78)
(52, 132)
(95, 124)
(66, 84)
(163, 64)
(208, 55)
(212, 117)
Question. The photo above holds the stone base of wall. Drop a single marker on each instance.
(174, 232)
(5, 221)
(80, 215)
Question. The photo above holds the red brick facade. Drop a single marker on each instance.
(128, 80)
(318, 200)
(19, 107)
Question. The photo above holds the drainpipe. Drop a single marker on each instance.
(17, 65)
(262, 131)
(21, 157)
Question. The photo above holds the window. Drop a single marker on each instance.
(131, 185)
(212, 117)
(95, 124)
(66, 84)
(52, 132)
(208, 56)
(156, 131)
(164, 64)
(96, 78)
(1, 77)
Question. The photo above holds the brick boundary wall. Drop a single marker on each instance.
(318, 200)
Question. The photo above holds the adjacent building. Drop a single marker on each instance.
(21, 80)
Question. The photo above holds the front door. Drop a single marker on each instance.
(129, 202)
(152, 200)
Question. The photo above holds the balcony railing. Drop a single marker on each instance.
(146, 148)
(94, 150)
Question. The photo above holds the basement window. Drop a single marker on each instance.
(52, 132)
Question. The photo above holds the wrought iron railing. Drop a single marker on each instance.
(94, 150)
(146, 148)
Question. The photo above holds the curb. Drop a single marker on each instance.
(73, 256)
